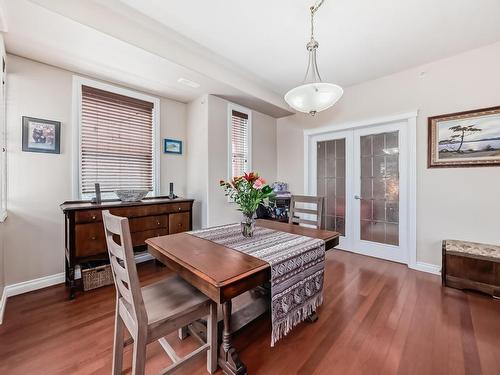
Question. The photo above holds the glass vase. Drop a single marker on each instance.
(248, 225)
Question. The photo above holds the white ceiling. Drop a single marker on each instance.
(359, 39)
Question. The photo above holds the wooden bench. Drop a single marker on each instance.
(471, 265)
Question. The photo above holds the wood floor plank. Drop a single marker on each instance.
(378, 317)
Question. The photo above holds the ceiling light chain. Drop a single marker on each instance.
(314, 9)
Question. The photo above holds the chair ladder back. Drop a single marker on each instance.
(121, 257)
(307, 200)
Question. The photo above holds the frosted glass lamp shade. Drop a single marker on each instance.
(313, 97)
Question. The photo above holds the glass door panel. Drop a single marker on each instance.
(331, 179)
(379, 181)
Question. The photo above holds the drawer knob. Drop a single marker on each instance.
(93, 238)
(179, 225)
(93, 217)
(179, 208)
(158, 223)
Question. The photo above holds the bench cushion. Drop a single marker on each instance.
(474, 249)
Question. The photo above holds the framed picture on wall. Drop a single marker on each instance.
(172, 146)
(465, 139)
(41, 135)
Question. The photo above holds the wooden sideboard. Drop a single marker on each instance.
(84, 230)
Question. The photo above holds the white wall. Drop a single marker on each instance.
(461, 203)
(208, 158)
(197, 159)
(38, 183)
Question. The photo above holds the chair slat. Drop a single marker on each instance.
(305, 211)
(113, 223)
(307, 198)
(115, 249)
(304, 221)
(124, 292)
(118, 270)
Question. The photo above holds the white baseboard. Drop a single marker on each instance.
(3, 302)
(28, 286)
(46, 281)
(143, 257)
(35, 284)
(426, 267)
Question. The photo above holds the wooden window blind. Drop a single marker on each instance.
(116, 142)
(239, 143)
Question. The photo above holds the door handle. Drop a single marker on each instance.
(357, 197)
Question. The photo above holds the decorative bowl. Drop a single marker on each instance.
(131, 195)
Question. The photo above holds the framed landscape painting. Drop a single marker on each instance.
(172, 146)
(465, 139)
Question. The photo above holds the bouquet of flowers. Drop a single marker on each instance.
(248, 191)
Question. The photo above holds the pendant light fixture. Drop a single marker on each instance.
(313, 95)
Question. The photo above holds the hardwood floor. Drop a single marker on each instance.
(378, 318)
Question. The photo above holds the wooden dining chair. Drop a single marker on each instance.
(306, 201)
(152, 312)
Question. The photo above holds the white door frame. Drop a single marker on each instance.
(411, 125)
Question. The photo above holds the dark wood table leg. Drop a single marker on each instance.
(229, 360)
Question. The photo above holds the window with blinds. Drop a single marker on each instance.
(116, 142)
(240, 143)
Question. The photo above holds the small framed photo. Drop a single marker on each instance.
(465, 139)
(172, 146)
(41, 135)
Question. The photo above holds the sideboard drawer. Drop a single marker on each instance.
(139, 238)
(178, 207)
(179, 222)
(89, 239)
(140, 224)
(139, 211)
(89, 216)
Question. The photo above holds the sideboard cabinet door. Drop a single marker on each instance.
(178, 222)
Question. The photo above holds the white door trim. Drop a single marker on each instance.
(411, 121)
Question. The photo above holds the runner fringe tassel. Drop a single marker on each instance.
(281, 330)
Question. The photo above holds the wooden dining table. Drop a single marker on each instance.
(225, 274)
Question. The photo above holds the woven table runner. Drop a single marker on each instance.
(297, 268)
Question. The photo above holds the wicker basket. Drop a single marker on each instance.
(96, 277)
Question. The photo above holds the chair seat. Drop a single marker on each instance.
(171, 298)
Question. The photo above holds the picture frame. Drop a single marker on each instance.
(172, 146)
(464, 139)
(41, 135)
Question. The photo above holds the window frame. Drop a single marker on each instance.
(248, 112)
(78, 82)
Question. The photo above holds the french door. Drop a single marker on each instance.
(363, 176)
